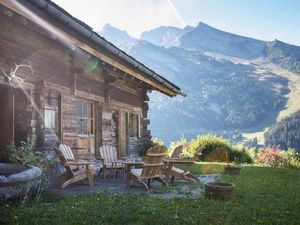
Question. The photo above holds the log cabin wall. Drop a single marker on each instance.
(61, 76)
(23, 117)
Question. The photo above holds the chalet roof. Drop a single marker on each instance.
(58, 13)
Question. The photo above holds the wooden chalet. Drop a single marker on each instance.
(74, 87)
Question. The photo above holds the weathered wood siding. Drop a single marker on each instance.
(60, 76)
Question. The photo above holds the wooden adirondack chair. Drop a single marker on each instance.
(110, 159)
(151, 168)
(172, 171)
(77, 169)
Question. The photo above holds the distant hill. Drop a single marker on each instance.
(230, 82)
(285, 133)
(285, 55)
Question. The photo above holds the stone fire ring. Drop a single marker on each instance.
(19, 181)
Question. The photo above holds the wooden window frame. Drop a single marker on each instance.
(52, 114)
(89, 117)
(134, 125)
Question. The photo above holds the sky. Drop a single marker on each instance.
(260, 19)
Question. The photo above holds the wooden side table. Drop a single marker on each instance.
(128, 166)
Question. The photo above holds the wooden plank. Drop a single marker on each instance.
(7, 118)
(122, 133)
(75, 41)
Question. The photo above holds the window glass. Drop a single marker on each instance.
(85, 117)
(49, 116)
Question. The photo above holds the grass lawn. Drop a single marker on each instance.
(262, 196)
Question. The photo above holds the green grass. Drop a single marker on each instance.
(262, 196)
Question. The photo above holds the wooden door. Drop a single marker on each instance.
(6, 118)
(123, 133)
(85, 127)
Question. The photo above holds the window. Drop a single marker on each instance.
(49, 115)
(134, 125)
(85, 117)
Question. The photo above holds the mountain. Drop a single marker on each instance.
(285, 55)
(117, 37)
(286, 133)
(231, 83)
(208, 39)
(165, 36)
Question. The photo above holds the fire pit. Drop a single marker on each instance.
(18, 181)
(219, 190)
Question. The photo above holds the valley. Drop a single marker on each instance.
(236, 86)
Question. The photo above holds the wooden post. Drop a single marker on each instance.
(60, 118)
(39, 102)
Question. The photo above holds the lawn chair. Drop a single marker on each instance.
(77, 169)
(151, 168)
(172, 171)
(110, 159)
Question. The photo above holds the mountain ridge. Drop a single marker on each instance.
(223, 94)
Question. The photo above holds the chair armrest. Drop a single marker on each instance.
(77, 163)
(179, 161)
(84, 158)
(133, 163)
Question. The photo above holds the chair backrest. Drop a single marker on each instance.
(108, 153)
(65, 153)
(153, 161)
(177, 151)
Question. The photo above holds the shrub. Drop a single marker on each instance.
(291, 157)
(26, 155)
(152, 143)
(174, 145)
(213, 148)
(272, 157)
(241, 154)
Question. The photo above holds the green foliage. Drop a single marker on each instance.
(157, 141)
(213, 148)
(218, 149)
(153, 142)
(25, 154)
(292, 158)
(262, 196)
(174, 145)
(240, 154)
(285, 134)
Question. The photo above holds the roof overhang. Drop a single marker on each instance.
(54, 19)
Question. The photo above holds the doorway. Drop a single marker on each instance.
(85, 127)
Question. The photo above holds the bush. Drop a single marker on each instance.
(291, 157)
(271, 157)
(174, 145)
(275, 157)
(152, 143)
(26, 155)
(241, 154)
(213, 148)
